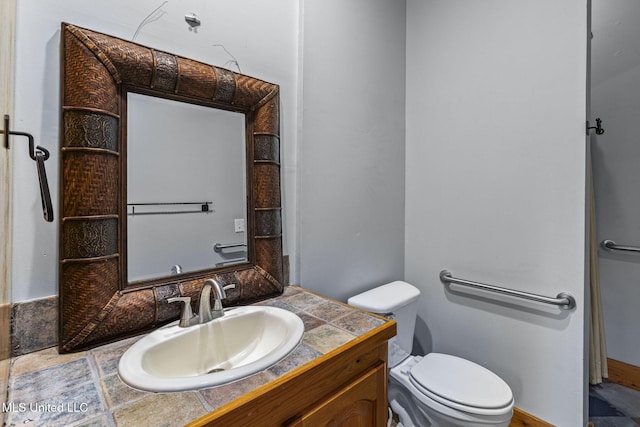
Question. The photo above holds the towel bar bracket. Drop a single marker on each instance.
(32, 147)
(598, 127)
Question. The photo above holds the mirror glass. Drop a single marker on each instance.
(186, 187)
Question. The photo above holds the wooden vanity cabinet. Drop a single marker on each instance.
(346, 387)
(361, 403)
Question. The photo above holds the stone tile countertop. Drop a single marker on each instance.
(84, 389)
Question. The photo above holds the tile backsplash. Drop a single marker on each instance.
(34, 325)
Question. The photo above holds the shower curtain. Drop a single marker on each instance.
(597, 345)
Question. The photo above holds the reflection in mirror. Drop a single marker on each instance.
(186, 187)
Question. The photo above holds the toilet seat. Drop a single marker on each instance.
(461, 384)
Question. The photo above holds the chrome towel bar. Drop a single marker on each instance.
(218, 247)
(610, 245)
(231, 261)
(204, 208)
(563, 300)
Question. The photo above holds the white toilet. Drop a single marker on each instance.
(437, 390)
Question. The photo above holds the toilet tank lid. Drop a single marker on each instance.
(386, 298)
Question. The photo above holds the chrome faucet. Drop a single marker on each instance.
(205, 314)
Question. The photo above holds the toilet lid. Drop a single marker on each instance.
(450, 379)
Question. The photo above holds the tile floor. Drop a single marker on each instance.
(610, 405)
(613, 405)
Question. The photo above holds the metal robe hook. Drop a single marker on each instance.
(597, 127)
(39, 155)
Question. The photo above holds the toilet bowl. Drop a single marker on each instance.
(438, 389)
(450, 391)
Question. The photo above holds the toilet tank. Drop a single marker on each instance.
(399, 301)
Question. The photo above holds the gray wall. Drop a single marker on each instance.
(496, 102)
(262, 36)
(351, 153)
(615, 97)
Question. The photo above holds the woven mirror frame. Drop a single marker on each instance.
(97, 304)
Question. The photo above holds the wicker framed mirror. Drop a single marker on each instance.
(97, 303)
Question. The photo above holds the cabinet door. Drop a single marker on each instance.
(361, 403)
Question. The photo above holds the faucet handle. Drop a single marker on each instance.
(226, 288)
(186, 315)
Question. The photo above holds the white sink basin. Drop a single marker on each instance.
(244, 341)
